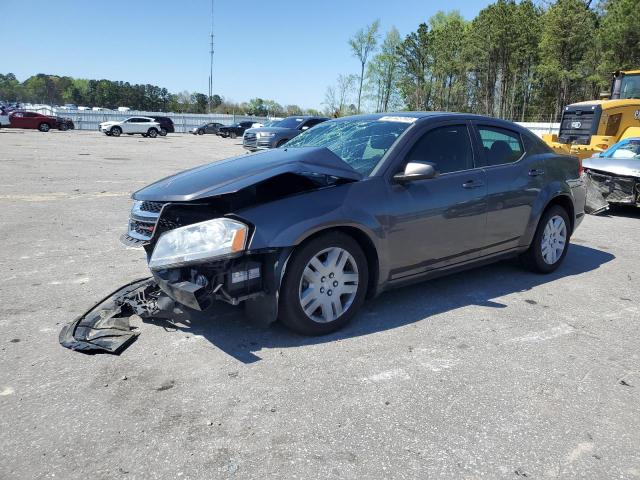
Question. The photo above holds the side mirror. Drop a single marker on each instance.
(416, 171)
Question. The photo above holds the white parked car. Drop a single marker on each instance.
(145, 126)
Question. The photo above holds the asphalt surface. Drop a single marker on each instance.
(492, 373)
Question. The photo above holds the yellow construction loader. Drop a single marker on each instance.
(588, 128)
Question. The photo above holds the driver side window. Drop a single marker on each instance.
(449, 148)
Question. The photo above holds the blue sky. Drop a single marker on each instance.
(289, 51)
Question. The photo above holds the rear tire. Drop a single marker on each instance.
(234, 135)
(163, 132)
(116, 131)
(153, 133)
(550, 242)
(324, 286)
(44, 127)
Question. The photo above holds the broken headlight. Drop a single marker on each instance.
(200, 241)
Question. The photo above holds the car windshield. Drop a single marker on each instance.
(624, 149)
(291, 122)
(360, 143)
(630, 87)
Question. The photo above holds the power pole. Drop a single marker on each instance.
(211, 61)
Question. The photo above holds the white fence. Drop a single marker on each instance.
(183, 122)
(540, 128)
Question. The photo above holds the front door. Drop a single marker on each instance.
(439, 221)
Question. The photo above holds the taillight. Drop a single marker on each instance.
(580, 167)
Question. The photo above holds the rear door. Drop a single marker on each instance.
(439, 221)
(129, 125)
(514, 181)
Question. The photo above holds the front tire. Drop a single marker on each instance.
(281, 143)
(153, 133)
(44, 127)
(116, 131)
(200, 132)
(550, 242)
(325, 285)
(234, 135)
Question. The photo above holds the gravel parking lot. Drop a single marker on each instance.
(492, 373)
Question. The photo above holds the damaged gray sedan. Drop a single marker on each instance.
(353, 207)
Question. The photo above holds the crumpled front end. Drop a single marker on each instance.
(615, 188)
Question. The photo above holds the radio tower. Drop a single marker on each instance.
(211, 61)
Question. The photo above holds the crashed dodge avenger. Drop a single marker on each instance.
(351, 207)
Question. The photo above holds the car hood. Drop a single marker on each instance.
(616, 166)
(233, 174)
(110, 123)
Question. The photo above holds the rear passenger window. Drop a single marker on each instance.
(449, 148)
(500, 146)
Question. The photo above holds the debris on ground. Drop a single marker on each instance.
(106, 327)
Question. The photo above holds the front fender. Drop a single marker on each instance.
(290, 221)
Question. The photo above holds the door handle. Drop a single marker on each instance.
(472, 184)
(534, 172)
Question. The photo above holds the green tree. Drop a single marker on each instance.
(567, 31)
(619, 35)
(363, 44)
(415, 63)
(384, 73)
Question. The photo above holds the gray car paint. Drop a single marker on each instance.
(417, 230)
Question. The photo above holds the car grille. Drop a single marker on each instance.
(249, 140)
(577, 126)
(142, 222)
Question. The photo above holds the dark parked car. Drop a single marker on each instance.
(21, 119)
(277, 135)
(353, 207)
(65, 123)
(166, 125)
(212, 127)
(235, 130)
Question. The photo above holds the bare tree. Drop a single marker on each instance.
(362, 44)
(337, 98)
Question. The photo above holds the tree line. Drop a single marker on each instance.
(514, 60)
(57, 90)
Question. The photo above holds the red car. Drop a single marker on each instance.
(44, 123)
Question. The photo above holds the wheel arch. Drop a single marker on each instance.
(364, 242)
(564, 201)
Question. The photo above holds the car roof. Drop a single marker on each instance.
(426, 116)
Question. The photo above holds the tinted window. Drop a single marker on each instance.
(312, 123)
(500, 146)
(449, 148)
(360, 143)
(291, 122)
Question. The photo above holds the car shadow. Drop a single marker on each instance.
(229, 330)
(626, 211)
